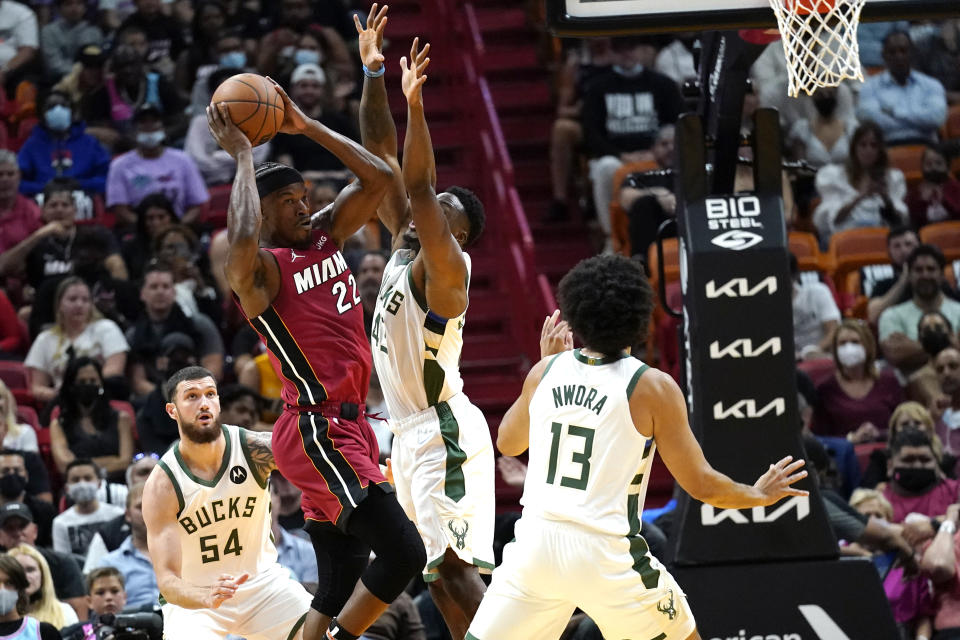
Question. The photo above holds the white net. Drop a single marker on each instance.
(820, 42)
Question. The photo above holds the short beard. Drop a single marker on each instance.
(199, 435)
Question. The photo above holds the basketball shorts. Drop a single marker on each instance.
(443, 471)
(552, 568)
(268, 606)
(332, 460)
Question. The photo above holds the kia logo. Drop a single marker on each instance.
(737, 240)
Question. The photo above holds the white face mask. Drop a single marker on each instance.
(851, 354)
(8, 601)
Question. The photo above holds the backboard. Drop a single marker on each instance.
(579, 18)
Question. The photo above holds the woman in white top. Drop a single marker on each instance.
(864, 191)
(13, 434)
(41, 596)
(79, 331)
(825, 138)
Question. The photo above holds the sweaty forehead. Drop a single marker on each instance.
(449, 200)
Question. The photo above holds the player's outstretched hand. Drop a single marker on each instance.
(224, 588)
(555, 337)
(370, 39)
(776, 483)
(294, 120)
(412, 78)
(227, 134)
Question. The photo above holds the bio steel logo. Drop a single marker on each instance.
(734, 215)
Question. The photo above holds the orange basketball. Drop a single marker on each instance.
(255, 105)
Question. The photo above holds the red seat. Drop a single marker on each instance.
(14, 375)
(819, 370)
(28, 415)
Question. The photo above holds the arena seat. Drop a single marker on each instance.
(909, 159)
(945, 236)
(854, 248)
(819, 370)
(619, 224)
(215, 211)
(14, 375)
(952, 127)
(28, 415)
(805, 247)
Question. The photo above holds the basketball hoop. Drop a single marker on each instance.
(820, 42)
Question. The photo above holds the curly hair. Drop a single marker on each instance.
(473, 208)
(607, 301)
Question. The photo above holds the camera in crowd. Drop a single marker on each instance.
(129, 626)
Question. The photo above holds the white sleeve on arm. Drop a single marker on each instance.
(827, 309)
(61, 539)
(889, 323)
(111, 338)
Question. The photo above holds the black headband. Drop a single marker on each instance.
(277, 179)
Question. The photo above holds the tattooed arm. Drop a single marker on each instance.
(260, 449)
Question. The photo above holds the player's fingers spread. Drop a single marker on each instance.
(403, 62)
(797, 464)
(796, 477)
(382, 14)
(784, 461)
(356, 23)
(797, 492)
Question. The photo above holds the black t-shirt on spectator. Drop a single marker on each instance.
(155, 429)
(623, 114)
(308, 155)
(47, 630)
(66, 573)
(55, 256)
(43, 515)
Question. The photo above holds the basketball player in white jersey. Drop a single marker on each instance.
(207, 510)
(442, 455)
(592, 419)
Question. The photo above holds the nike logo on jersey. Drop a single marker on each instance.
(316, 274)
(577, 394)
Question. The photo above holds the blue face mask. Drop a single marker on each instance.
(233, 60)
(58, 117)
(306, 56)
(629, 72)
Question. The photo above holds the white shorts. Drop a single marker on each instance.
(552, 568)
(443, 472)
(270, 606)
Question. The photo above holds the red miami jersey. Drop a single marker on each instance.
(314, 327)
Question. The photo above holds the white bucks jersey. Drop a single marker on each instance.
(416, 352)
(588, 463)
(224, 523)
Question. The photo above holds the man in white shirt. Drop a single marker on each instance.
(899, 325)
(815, 316)
(908, 105)
(75, 528)
(19, 40)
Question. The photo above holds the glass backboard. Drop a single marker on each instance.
(613, 17)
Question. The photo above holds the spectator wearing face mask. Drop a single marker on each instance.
(916, 483)
(229, 56)
(856, 402)
(23, 480)
(59, 147)
(151, 168)
(73, 530)
(14, 603)
(937, 197)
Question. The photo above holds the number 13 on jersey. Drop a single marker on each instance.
(579, 460)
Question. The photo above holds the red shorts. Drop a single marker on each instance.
(331, 460)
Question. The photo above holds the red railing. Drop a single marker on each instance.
(531, 296)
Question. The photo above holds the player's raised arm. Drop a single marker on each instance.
(658, 409)
(377, 129)
(358, 202)
(260, 446)
(446, 269)
(160, 510)
(513, 434)
(246, 269)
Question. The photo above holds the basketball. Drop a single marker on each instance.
(255, 105)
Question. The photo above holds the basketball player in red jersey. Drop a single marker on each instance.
(289, 277)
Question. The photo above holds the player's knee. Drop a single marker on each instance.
(399, 559)
(413, 556)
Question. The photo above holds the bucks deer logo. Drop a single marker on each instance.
(668, 610)
(458, 533)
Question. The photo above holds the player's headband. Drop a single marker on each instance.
(277, 179)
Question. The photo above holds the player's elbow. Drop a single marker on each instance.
(508, 445)
(940, 570)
